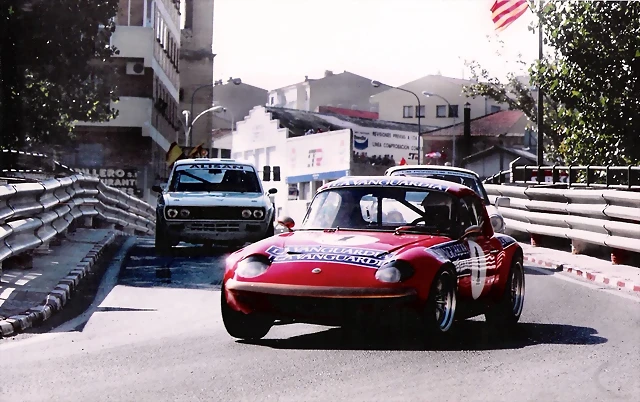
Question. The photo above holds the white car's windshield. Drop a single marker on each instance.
(451, 176)
(187, 179)
(381, 209)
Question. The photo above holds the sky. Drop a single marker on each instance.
(275, 43)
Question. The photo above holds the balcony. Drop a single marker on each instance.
(134, 42)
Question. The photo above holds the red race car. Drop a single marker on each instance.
(374, 247)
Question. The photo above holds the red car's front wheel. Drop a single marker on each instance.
(243, 326)
(440, 310)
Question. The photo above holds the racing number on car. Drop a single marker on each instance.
(478, 268)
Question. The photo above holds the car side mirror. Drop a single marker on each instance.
(503, 202)
(273, 190)
(473, 230)
(156, 188)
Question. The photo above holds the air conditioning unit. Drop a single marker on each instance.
(135, 68)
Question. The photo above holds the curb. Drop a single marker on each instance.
(585, 274)
(58, 297)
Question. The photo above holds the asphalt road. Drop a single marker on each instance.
(155, 333)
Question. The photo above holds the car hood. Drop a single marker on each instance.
(197, 199)
(349, 242)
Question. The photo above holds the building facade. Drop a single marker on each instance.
(133, 145)
(237, 98)
(196, 68)
(400, 106)
(344, 90)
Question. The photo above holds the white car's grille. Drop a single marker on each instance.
(213, 227)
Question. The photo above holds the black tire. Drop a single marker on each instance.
(506, 312)
(440, 310)
(271, 230)
(162, 241)
(243, 326)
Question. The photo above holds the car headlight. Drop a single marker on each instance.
(394, 271)
(246, 213)
(497, 222)
(184, 213)
(252, 266)
(172, 212)
(258, 214)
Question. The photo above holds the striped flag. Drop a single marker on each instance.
(505, 12)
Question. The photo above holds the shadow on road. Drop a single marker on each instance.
(529, 270)
(468, 335)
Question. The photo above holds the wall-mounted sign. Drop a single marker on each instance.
(123, 179)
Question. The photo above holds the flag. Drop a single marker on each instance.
(505, 12)
(173, 154)
(403, 162)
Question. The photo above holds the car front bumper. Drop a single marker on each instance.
(319, 304)
(223, 231)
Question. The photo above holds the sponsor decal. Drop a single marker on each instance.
(399, 181)
(360, 142)
(432, 172)
(214, 166)
(344, 255)
(342, 240)
(505, 240)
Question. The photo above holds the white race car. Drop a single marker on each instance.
(213, 201)
(465, 177)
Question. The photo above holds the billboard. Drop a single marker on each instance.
(380, 142)
(320, 156)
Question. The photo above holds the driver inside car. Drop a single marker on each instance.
(437, 210)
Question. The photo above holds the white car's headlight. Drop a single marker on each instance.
(497, 222)
(252, 266)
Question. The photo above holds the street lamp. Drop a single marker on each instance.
(377, 84)
(430, 94)
(235, 81)
(189, 124)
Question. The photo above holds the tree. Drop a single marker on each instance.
(519, 96)
(594, 74)
(589, 79)
(54, 67)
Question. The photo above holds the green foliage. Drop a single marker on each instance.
(593, 74)
(54, 67)
(590, 81)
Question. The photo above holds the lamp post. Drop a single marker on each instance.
(235, 81)
(430, 94)
(189, 124)
(376, 84)
(233, 119)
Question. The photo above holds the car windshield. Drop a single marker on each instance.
(234, 179)
(451, 176)
(381, 208)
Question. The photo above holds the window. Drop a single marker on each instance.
(453, 111)
(225, 153)
(272, 100)
(420, 111)
(197, 179)
(441, 111)
(495, 109)
(407, 112)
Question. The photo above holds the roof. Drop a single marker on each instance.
(431, 167)
(395, 181)
(419, 82)
(494, 124)
(299, 121)
(521, 153)
(332, 74)
(209, 160)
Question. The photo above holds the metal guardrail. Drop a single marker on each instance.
(613, 177)
(607, 218)
(33, 214)
(22, 164)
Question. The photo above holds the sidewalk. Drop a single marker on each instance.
(30, 296)
(589, 268)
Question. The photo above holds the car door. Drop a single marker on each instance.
(482, 261)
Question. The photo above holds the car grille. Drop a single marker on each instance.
(216, 213)
(214, 227)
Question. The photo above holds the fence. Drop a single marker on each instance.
(34, 214)
(589, 212)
